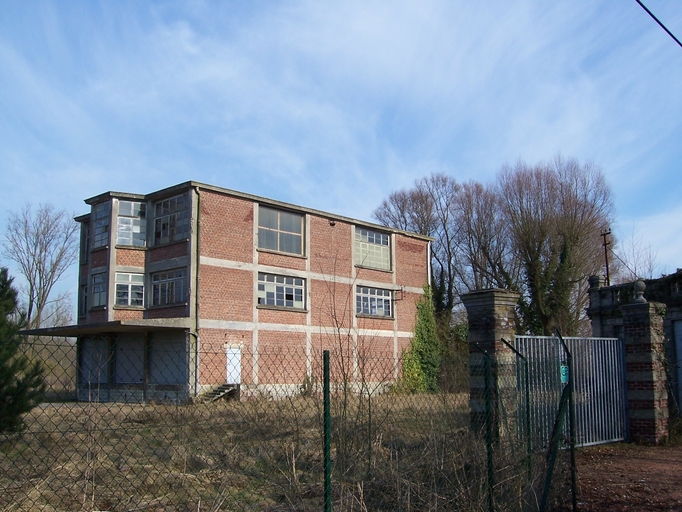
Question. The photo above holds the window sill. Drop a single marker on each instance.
(126, 306)
(375, 269)
(281, 308)
(173, 305)
(132, 247)
(378, 317)
(166, 244)
(100, 248)
(281, 253)
(97, 308)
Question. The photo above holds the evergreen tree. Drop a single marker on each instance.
(421, 362)
(21, 382)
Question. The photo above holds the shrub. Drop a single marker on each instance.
(21, 382)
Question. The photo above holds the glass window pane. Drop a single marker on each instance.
(267, 239)
(290, 222)
(267, 218)
(290, 243)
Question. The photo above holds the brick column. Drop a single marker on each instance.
(491, 315)
(645, 369)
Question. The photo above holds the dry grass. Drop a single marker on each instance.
(390, 452)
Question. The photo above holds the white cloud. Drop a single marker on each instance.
(334, 105)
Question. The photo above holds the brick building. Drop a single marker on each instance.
(194, 286)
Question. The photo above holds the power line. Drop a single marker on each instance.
(657, 21)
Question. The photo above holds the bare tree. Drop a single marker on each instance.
(632, 259)
(536, 231)
(43, 244)
(484, 247)
(428, 209)
(555, 213)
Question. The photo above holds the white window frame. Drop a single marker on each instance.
(281, 291)
(372, 249)
(99, 289)
(129, 289)
(171, 219)
(273, 236)
(131, 226)
(169, 287)
(370, 301)
(100, 235)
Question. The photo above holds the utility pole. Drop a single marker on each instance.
(604, 234)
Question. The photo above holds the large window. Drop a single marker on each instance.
(130, 289)
(132, 224)
(99, 290)
(372, 301)
(171, 219)
(284, 291)
(169, 287)
(280, 231)
(372, 249)
(101, 232)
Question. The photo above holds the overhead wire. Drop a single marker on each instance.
(657, 21)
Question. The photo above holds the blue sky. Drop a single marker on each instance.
(333, 105)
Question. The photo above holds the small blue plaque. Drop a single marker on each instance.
(564, 374)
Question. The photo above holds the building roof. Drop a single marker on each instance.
(118, 326)
(176, 189)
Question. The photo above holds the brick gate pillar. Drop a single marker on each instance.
(491, 314)
(647, 394)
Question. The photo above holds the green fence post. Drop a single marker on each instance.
(489, 430)
(327, 438)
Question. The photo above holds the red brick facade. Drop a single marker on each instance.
(208, 283)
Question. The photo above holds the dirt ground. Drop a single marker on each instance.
(629, 477)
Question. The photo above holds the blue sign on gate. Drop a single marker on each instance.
(564, 374)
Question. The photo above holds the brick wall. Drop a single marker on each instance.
(412, 256)
(130, 257)
(226, 227)
(99, 258)
(225, 294)
(168, 252)
(128, 314)
(331, 247)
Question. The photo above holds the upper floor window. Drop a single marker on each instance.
(372, 301)
(132, 223)
(284, 291)
(372, 249)
(85, 241)
(129, 289)
(171, 219)
(280, 231)
(100, 236)
(99, 289)
(169, 287)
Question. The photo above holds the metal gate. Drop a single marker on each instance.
(598, 393)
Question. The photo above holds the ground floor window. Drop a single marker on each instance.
(373, 301)
(99, 290)
(284, 291)
(129, 289)
(169, 287)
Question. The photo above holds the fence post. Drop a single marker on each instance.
(327, 438)
(647, 395)
(491, 315)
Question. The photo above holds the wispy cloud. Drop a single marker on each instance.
(334, 105)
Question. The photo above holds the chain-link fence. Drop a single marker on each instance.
(128, 427)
